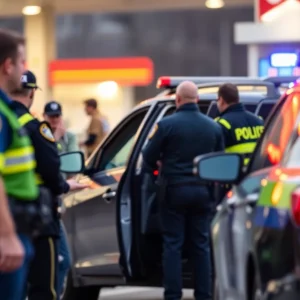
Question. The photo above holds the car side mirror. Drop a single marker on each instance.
(72, 162)
(219, 167)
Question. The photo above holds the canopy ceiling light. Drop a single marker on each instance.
(32, 7)
(214, 4)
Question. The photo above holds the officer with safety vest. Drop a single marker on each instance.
(241, 128)
(18, 190)
(43, 271)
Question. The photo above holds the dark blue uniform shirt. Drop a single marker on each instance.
(178, 139)
(241, 129)
(5, 129)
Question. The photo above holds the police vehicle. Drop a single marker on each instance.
(112, 226)
(255, 232)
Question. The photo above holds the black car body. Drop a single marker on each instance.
(255, 238)
(112, 226)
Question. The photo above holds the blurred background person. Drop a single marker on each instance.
(66, 140)
(97, 129)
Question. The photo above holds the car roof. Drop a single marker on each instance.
(249, 97)
(256, 95)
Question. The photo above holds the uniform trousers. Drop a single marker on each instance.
(42, 278)
(64, 258)
(187, 209)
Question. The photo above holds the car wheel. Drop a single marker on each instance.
(79, 293)
(216, 295)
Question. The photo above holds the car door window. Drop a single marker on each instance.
(276, 136)
(250, 107)
(265, 109)
(117, 149)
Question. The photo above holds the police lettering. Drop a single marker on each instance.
(248, 133)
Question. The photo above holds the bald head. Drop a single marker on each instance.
(186, 92)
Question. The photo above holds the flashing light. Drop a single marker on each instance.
(280, 60)
(295, 206)
(155, 172)
(163, 82)
(274, 154)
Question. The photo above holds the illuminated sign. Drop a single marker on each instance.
(266, 70)
(279, 60)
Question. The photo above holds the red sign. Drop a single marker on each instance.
(265, 6)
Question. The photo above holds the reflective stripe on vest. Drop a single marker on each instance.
(19, 160)
(2, 161)
(23, 120)
(246, 148)
(242, 148)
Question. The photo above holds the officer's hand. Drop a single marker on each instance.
(74, 185)
(59, 131)
(11, 252)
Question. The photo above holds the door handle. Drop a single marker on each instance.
(251, 199)
(108, 195)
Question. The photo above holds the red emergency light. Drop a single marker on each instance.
(163, 82)
(295, 206)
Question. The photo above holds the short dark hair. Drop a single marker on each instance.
(91, 102)
(229, 93)
(9, 43)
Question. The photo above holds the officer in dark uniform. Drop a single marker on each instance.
(43, 270)
(186, 207)
(241, 128)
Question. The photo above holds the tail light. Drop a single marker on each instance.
(155, 172)
(295, 206)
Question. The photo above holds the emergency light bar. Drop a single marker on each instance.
(271, 89)
(279, 80)
(281, 60)
(169, 82)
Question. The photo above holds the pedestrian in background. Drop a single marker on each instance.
(187, 203)
(97, 129)
(17, 178)
(66, 142)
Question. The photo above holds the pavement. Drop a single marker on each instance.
(137, 293)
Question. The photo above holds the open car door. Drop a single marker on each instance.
(138, 192)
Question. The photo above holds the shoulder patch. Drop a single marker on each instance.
(46, 132)
(150, 136)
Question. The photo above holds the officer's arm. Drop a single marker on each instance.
(152, 151)
(48, 161)
(225, 127)
(220, 145)
(6, 221)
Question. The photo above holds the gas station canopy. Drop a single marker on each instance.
(14, 7)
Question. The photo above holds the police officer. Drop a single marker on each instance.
(241, 128)
(186, 206)
(17, 181)
(43, 270)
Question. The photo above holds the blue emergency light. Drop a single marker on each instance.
(283, 60)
